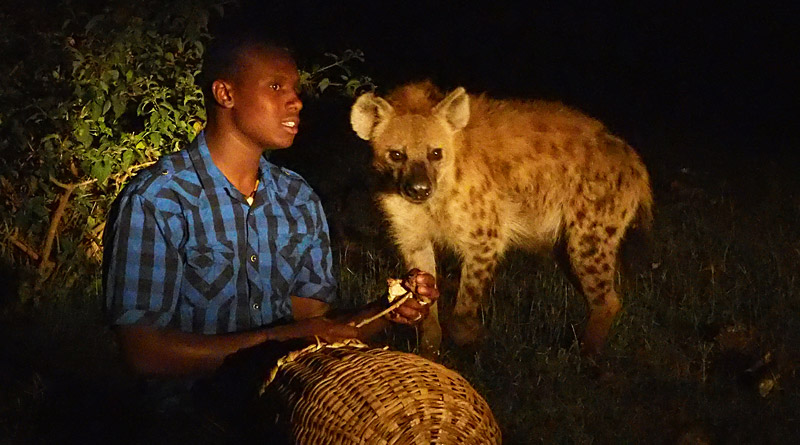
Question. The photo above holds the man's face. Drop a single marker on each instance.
(266, 106)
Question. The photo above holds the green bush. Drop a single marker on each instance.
(89, 103)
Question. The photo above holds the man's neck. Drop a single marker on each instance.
(235, 158)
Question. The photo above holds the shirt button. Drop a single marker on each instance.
(256, 306)
(253, 258)
(164, 172)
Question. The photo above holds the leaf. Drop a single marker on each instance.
(67, 248)
(127, 159)
(352, 86)
(323, 84)
(118, 103)
(101, 170)
(95, 110)
(155, 139)
(82, 134)
(93, 22)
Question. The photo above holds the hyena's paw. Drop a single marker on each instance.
(430, 339)
(430, 352)
(591, 347)
(465, 330)
(593, 340)
(596, 332)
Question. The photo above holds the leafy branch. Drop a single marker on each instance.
(337, 74)
(104, 95)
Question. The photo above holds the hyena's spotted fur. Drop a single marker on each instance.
(482, 175)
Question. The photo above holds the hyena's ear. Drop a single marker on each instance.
(367, 113)
(454, 108)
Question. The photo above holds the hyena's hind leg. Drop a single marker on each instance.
(593, 249)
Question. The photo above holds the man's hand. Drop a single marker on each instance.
(414, 310)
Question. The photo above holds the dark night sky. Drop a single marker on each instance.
(727, 72)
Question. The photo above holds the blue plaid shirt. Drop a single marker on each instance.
(185, 250)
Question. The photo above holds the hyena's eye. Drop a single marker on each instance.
(397, 156)
(435, 154)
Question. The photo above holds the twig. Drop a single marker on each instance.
(95, 239)
(63, 201)
(394, 306)
(61, 209)
(24, 247)
(71, 186)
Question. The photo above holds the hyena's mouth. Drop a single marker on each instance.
(416, 185)
(416, 191)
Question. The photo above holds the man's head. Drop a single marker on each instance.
(251, 89)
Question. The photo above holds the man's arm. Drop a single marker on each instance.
(151, 350)
(170, 352)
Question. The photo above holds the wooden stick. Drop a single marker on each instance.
(63, 201)
(24, 247)
(394, 306)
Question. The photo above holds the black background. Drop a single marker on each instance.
(719, 75)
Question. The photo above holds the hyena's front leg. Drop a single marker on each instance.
(420, 254)
(476, 275)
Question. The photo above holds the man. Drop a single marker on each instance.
(214, 249)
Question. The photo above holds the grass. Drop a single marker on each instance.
(706, 349)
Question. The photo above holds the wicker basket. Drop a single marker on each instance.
(349, 393)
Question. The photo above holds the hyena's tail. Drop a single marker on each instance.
(643, 220)
(636, 254)
(644, 214)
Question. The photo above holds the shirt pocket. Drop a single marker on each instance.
(291, 251)
(210, 269)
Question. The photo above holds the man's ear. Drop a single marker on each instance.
(454, 109)
(222, 91)
(368, 113)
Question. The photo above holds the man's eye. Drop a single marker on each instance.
(397, 156)
(275, 86)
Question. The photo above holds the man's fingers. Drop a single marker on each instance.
(422, 284)
(425, 279)
(412, 311)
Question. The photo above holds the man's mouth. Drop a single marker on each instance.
(291, 125)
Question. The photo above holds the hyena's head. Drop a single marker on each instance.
(413, 136)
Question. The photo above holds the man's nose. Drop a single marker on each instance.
(295, 104)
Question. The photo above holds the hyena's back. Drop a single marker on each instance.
(514, 173)
(551, 168)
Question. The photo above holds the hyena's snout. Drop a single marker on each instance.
(417, 184)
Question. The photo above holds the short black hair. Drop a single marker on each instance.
(221, 58)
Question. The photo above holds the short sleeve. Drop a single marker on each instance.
(142, 268)
(315, 275)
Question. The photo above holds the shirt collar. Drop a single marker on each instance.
(211, 177)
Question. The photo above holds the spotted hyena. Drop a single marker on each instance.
(482, 175)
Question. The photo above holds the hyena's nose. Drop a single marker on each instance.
(417, 185)
(417, 190)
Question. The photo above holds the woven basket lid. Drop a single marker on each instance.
(349, 393)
